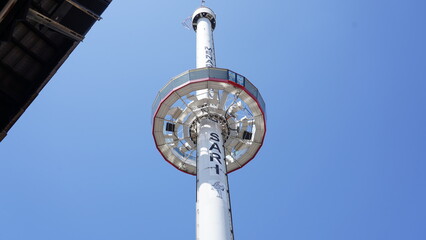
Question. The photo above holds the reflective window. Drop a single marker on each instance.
(232, 76)
(240, 80)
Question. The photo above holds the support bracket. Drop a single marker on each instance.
(84, 9)
(52, 24)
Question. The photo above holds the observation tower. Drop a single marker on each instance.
(209, 122)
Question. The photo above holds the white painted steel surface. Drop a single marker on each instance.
(205, 45)
(213, 208)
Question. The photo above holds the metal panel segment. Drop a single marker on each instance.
(50, 23)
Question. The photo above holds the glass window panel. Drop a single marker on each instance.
(262, 103)
(251, 88)
(155, 105)
(198, 74)
(232, 76)
(240, 80)
(181, 79)
(218, 73)
(162, 94)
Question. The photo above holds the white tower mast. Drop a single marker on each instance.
(213, 208)
(204, 22)
(209, 122)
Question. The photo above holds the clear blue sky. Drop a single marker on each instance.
(344, 156)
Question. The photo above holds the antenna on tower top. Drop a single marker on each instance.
(187, 22)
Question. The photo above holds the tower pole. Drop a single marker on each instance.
(213, 212)
(213, 215)
(204, 22)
